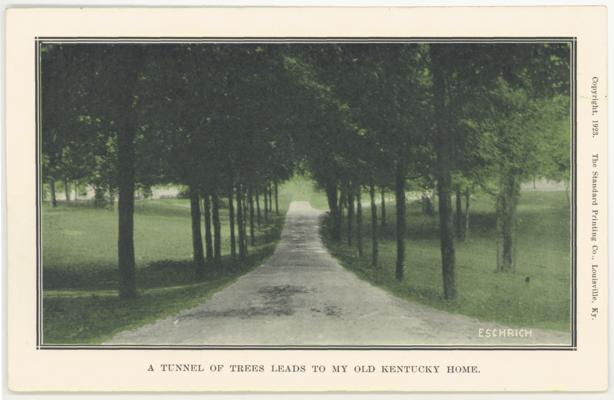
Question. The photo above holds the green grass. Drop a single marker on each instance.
(93, 316)
(80, 277)
(543, 253)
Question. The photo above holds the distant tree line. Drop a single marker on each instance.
(233, 121)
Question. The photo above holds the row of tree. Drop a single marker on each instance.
(121, 117)
(444, 116)
(235, 120)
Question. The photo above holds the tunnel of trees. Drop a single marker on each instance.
(368, 121)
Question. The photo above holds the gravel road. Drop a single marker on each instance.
(302, 296)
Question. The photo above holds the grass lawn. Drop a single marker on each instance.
(80, 278)
(543, 255)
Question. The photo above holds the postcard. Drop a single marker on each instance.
(307, 199)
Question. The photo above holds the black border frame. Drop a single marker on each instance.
(271, 40)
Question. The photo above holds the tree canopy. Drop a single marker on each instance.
(236, 120)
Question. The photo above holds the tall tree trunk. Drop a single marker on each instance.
(444, 156)
(231, 222)
(66, 190)
(467, 200)
(266, 205)
(270, 191)
(459, 223)
(127, 78)
(250, 197)
(217, 228)
(197, 239)
(374, 244)
(208, 236)
(446, 230)
(400, 222)
(359, 221)
(383, 207)
(125, 240)
(276, 199)
(240, 219)
(342, 203)
(350, 218)
(507, 202)
(54, 200)
(245, 217)
(331, 197)
(258, 215)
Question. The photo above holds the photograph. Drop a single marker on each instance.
(306, 193)
(289, 200)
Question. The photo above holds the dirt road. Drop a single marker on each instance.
(302, 296)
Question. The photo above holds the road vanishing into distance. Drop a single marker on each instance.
(302, 296)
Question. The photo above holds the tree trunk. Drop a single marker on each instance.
(383, 207)
(459, 223)
(217, 228)
(54, 200)
(270, 191)
(258, 215)
(231, 222)
(359, 221)
(208, 236)
(66, 190)
(245, 217)
(467, 200)
(266, 205)
(507, 202)
(250, 198)
(127, 78)
(446, 229)
(350, 218)
(276, 199)
(444, 155)
(125, 239)
(400, 223)
(374, 247)
(342, 202)
(331, 197)
(197, 239)
(240, 219)
(76, 186)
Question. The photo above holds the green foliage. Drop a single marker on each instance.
(526, 136)
(216, 114)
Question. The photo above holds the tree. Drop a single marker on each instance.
(520, 135)
(197, 241)
(374, 236)
(443, 145)
(130, 60)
